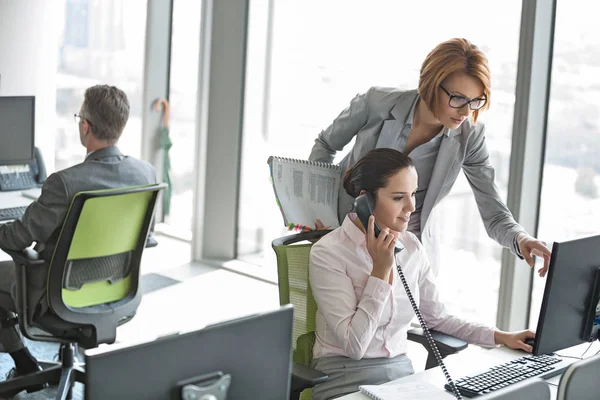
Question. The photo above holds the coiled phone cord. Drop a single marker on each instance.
(432, 344)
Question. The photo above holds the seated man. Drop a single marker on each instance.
(101, 121)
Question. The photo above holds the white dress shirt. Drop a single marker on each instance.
(361, 316)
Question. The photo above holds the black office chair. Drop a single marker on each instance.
(93, 280)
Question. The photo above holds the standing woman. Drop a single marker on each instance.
(436, 125)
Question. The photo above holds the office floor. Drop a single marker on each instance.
(179, 297)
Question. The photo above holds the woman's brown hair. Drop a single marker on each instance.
(372, 171)
(454, 55)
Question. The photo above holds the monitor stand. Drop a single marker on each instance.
(212, 386)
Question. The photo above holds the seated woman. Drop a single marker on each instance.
(363, 311)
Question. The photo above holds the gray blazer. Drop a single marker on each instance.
(106, 168)
(376, 117)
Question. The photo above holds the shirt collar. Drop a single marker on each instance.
(89, 154)
(108, 151)
(354, 233)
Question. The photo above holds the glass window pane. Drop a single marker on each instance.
(183, 90)
(569, 200)
(315, 72)
(102, 43)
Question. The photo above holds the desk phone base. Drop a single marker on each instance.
(16, 181)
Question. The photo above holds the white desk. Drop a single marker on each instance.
(13, 199)
(475, 359)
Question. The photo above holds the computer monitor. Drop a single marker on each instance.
(256, 351)
(570, 295)
(17, 121)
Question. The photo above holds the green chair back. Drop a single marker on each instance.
(93, 277)
(294, 288)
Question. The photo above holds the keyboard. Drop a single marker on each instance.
(12, 213)
(16, 181)
(497, 377)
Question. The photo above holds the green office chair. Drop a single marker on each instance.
(93, 280)
(294, 287)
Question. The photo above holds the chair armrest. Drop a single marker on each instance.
(445, 343)
(310, 236)
(304, 377)
(25, 257)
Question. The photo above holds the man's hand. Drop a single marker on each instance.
(514, 340)
(530, 246)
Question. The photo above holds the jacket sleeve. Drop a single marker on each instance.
(41, 219)
(497, 218)
(342, 130)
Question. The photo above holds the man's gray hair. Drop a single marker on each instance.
(106, 108)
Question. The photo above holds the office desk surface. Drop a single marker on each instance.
(476, 359)
(13, 199)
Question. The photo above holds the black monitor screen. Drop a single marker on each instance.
(17, 119)
(568, 294)
(256, 351)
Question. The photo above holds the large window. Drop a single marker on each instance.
(102, 43)
(183, 89)
(571, 180)
(322, 55)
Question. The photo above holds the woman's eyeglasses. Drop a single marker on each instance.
(455, 101)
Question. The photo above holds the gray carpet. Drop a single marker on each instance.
(49, 351)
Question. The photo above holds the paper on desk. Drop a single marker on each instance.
(405, 391)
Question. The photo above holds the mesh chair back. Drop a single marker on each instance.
(298, 288)
(93, 277)
(97, 267)
(294, 288)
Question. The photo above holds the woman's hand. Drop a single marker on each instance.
(320, 226)
(381, 250)
(529, 246)
(514, 340)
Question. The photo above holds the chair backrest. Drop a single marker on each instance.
(580, 380)
(294, 288)
(93, 277)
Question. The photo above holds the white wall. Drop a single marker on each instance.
(29, 31)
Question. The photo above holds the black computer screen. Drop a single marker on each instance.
(567, 295)
(254, 350)
(17, 119)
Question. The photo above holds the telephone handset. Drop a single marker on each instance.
(38, 168)
(364, 206)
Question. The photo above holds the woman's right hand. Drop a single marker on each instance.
(381, 250)
(320, 226)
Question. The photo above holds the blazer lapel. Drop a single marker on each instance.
(390, 134)
(389, 137)
(444, 163)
